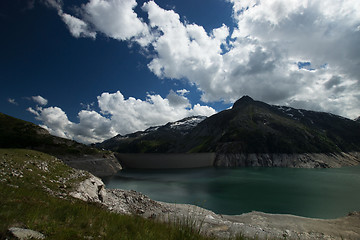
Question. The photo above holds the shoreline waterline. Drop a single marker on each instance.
(312, 193)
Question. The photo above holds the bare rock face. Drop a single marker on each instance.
(91, 190)
(23, 234)
(99, 165)
(305, 160)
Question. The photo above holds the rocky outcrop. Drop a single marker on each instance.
(305, 160)
(24, 234)
(90, 190)
(99, 165)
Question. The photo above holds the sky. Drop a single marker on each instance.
(91, 69)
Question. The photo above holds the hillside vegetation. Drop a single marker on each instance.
(16, 133)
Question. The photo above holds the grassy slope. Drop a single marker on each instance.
(33, 188)
(25, 202)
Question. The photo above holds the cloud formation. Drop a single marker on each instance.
(77, 27)
(115, 18)
(39, 100)
(12, 101)
(299, 53)
(118, 116)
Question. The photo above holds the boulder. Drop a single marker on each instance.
(23, 234)
(91, 190)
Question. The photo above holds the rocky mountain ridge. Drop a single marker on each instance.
(253, 133)
(152, 139)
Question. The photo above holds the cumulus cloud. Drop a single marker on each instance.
(280, 51)
(320, 33)
(115, 18)
(290, 52)
(77, 27)
(39, 100)
(118, 116)
(129, 115)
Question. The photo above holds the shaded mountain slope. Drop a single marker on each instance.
(249, 127)
(16, 133)
(256, 127)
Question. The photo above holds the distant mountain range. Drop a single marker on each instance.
(248, 127)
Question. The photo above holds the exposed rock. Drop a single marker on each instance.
(305, 160)
(24, 234)
(132, 202)
(99, 165)
(91, 190)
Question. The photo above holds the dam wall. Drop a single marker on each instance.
(165, 160)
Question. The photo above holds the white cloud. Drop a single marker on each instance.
(39, 100)
(77, 27)
(186, 50)
(118, 115)
(12, 101)
(55, 120)
(261, 58)
(115, 18)
(319, 32)
(33, 111)
(129, 115)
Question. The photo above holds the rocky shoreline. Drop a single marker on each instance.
(254, 224)
(304, 160)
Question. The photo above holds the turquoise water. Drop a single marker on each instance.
(317, 193)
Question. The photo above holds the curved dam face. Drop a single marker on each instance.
(166, 160)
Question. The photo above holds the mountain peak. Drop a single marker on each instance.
(243, 100)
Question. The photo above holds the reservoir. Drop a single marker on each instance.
(315, 193)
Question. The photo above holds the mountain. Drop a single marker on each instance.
(250, 130)
(357, 119)
(256, 127)
(250, 127)
(166, 138)
(16, 133)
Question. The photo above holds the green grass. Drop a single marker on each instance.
(74, 219)
(31, 183)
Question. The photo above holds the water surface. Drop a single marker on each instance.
(318, 193)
